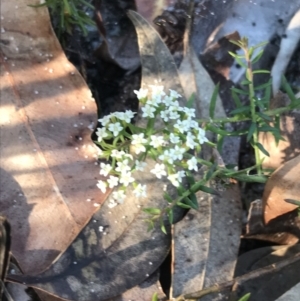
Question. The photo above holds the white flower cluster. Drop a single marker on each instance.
(168, 146)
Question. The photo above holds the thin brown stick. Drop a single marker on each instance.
(239, 280)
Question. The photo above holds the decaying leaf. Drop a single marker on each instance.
(272, 285)
(288, 148)
(283, 230)
(283, 184)
(47, 155)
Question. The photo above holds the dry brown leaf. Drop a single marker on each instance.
(270, 286)
(289, 130)
(47, 155)
(283, 184)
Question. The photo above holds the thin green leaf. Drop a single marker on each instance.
(263, 86)
(239, 91)
(260, 71)
(182, 205)
(244, 109)
(245, 298)
(171, 216)
(236, 55)
(264, 116)
(236, 99)
(257, 57)
(252, 129)
(251, 178)
(262, 149)
(152, 211)
(223, 132)
(246, 82)
(192, 204)
(288, 90)
(220, 141)
(237, 43)
(260, 45)
(294, 202)
(154, 297)
(241, 63)
(163, 228)
(213, 101)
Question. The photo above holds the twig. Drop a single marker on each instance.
(239, 280)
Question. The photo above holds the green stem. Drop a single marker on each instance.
(249, 76)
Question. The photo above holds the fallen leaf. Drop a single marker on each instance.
(47, 155)
(283, 230)
(283, 184)
(115, 252)
(217, 222)
(288, 148)
(270, 286)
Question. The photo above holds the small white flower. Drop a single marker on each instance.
(117, 154)
(159, 170)
(157, 91)
(183, 126)
(181, 174)
(148, 111)
(102, 186)
(164, 116)
(157, 141)
(123, 166)
(101, 133)
(119, 196)
(190, 112)
(112, 203)
(167, 156)
(168, 101)
(128, 115)
(112, 181)
(119, 115)
(140, 191)
(105, 169)
(139, 148)
(174, 139)
(174, 179)
(105, 120)
(190, 140)
(141, 93)
(139, 165)
(174, 94)
(115, 128)
(174, 115)
(192, 164)
(138, 139)
(126, 178)
(177, 152)
(201, 136)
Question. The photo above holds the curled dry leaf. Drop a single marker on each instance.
(288, 148)
(47, 155)
(283, 184)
